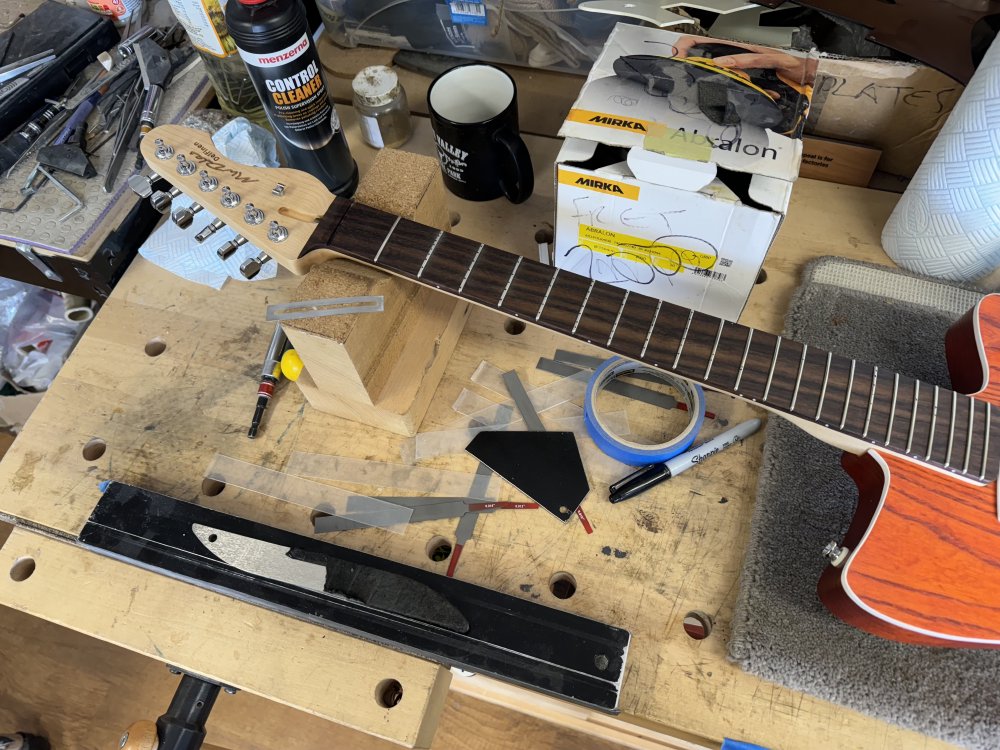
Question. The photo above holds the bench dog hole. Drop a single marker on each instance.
(155, 347)
(388, 693)
(514, 327)
(562, 585)
(697, 625)
(438, 549)
(94, 449)
(22, 569)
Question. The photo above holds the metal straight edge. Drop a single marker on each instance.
(318, 308)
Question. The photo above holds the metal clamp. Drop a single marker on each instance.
(29, 255)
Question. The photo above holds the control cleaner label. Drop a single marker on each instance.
(290, 84)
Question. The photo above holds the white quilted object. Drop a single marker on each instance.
(947, 223)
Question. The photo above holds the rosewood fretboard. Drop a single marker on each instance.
(931, 424)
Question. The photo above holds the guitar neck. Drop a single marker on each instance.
(933, 425)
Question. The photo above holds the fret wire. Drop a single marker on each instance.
(798, 378)
(770, 373)
(968, 440)
(913, 415)
(510, 280)
(583, 307)
(649, 333)
(743, 362)
(715, 346)
(386, 240)
(618, 317)
(684, 336)
(934, 412)
(951, 428)
(471, 266)
(847, 401)
(430, 253)
(547, 293)
(986, 442)
(871, 402)
(892, 408)
(826, 381)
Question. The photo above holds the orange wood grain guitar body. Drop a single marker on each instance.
(924, 562)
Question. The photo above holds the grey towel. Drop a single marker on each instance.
(781, 631)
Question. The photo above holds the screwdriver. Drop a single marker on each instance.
(268, 377)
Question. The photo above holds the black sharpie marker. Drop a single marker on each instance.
(649, 476)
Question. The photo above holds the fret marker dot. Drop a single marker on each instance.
(761, 277)
(514, 327)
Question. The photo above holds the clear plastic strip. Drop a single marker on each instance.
(398, 476)
(445, 442)
(313, 495)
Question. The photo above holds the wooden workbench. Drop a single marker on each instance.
(160, 420)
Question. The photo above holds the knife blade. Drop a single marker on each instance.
(373, 587)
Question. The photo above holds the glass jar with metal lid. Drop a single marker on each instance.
(383, 112)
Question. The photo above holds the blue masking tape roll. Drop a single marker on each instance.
(638, 454)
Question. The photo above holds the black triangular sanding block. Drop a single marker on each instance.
(545, 466)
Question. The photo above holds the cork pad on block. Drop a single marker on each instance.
(380, 368)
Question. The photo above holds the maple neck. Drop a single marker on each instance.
(933, 425)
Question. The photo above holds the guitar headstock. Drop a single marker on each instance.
(275, 209)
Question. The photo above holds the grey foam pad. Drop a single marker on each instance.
(781, 631)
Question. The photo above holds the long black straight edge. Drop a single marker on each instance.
(511, 639)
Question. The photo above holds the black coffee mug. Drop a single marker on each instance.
(473, 110)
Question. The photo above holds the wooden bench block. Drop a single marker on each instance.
(381, 368)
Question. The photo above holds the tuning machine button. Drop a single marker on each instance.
(185, 167)
(252, 214)
(209, 230)
(163, 151)
(160, 200)
(276, 232)
(184, 216)
(835, 554)
(251, 266)
(141, 185)
(229, 198)
(232, 246)
(207, 183)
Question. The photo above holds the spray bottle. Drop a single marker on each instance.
(273, 39)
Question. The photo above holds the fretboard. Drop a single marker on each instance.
(885, 409)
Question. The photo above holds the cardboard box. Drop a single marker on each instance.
(897, 107)
(675, 174)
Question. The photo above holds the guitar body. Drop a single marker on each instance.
(924, 565)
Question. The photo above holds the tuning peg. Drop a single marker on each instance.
(141, 185)
(209, 230)
(276, 232)
(184, 216)
(251, 266)
(207, 183)
(160, 200)
(163, 151)
(252, 214)
(230, 247)
(228, 197)
(185, 166)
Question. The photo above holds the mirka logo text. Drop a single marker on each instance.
(599, 184)
(605, 120)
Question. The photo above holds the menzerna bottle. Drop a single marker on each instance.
(273, 39)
